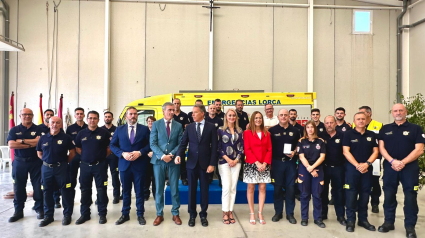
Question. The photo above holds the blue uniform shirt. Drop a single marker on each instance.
(55, 148)
(216, 121)
(21, 132)
(73, 130)
(361, 146)
(93, 144)
(243, 120)
(399, 141)
(110, 130)
(300, 128)
(321, 128)
(44, 130)
(281, 136)
(182, 118)
(334, 153)
(311, 149)
(343, 127)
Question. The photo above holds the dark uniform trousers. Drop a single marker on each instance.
(150, 179)
(98, 171)
(74, 165)
(334, 175)
(310, 186)
(20, 169)
(57, 194)
(284, 174)
(112, 160)
(357, 191)
(54, 178)
(408, 177)
(376, 191)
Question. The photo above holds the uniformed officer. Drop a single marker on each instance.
(341, 124)
(243, 118)
(293, 121)
(44, 129)
(312, 152)
(220, 113)
(401, 143)
(213, 118)
(23, 139)
(284, 139)
(73, 130)
(52, 149)
(334, 170)
(93, 145)
(270, 120)
(315, 116)
(189, 115)
(182, 118)
(112, 159)
(375, 126)
(360, 149)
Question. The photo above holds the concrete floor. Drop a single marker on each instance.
(28, 226)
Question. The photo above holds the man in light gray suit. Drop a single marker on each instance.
(165, 138)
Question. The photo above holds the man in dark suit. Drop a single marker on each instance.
(165, 138)
(201, 159)
(130, 143)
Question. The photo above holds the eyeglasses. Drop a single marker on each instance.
(27, 115)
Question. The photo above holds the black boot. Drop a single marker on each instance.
(16, 216)
(46, 221)
(386, 227)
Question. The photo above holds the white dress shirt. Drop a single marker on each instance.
(269, 122)
(201, 126)
(171, 122)
(134, 129)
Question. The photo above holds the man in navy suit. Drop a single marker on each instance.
(166, 135)
(130, 143)
(201, 159)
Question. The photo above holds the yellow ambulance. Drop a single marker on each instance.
(254, 100)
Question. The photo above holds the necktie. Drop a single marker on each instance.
(198, 131)
(132, 134)
(168, 129)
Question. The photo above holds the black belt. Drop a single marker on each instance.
(51, 165)
(25, 159)
(92, 163)
(284, 159)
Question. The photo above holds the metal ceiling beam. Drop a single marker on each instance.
(394, 3)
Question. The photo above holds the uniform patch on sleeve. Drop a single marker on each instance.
(105, 183)
(299, 180)
(322, 182)
(117, 169)
(68, 185)
(42, 187)
(346, 186)
(416, 188)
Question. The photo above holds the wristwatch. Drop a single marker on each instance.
(368, 163)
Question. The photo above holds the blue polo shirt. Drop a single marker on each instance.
(344, 127)
(216, 121)
(43, 129)
(281, 136)
(361, 146)
(182, 118)
(311, 149)
(110, 130)
(93, 144)
(334, 153)
(399, 141)
(73, 130)
(55, 148)
(21, 132)
(321, 128)
(300, 129)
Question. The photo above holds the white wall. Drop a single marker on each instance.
(156, 51)
(417, 51)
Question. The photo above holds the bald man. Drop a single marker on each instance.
(23, 138)
(53, 149)
(401, 143)
(284, 139)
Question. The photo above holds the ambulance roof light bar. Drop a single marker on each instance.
(221, 91)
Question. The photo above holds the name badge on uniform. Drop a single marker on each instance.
(318, 146)
(337, 140)
(74, 133)
(354, 141)
(85, 138)
(389, 133)
(19, 133)
(98, 137)
(406, 133)
(277, 134)
(45, 144)
(291, 133)
(33, 133)
(181, 118)
(369, 138)
(59, 142)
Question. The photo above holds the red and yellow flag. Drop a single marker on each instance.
(40, 118)
(12, 120)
